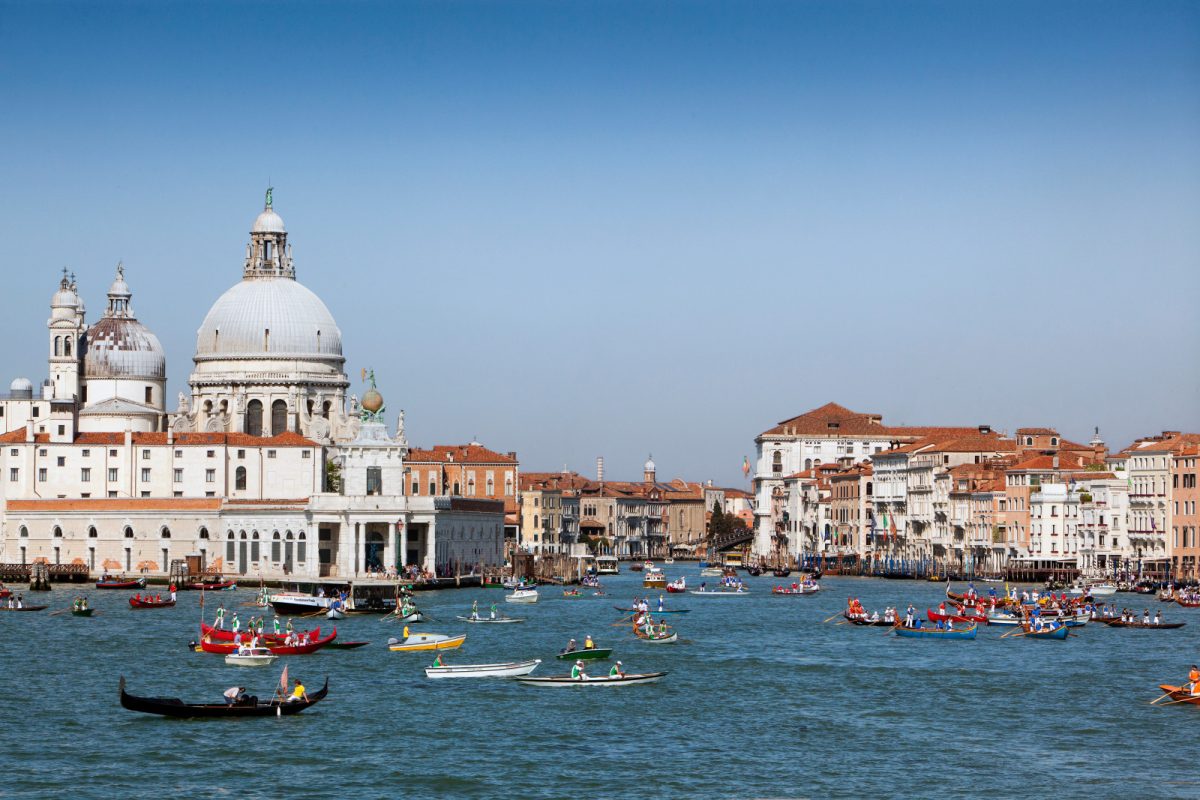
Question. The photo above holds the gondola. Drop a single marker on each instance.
(869, 623)
(24, 608)
(754, 571)
(782, 572)
(173, 707)
(211, 586)
(346, 645)
(1117, 623)
(141, 602)
(140, 583)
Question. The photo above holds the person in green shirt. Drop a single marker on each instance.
(616, 671)
(577, 673)
(437, 660)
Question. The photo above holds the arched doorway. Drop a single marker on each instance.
(243, 554)
(373, 550)
(287, 552)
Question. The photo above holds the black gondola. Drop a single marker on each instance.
(754, 570)
(173, 707)
(781, 572)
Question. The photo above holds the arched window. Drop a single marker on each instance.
(66, 345)
(239, 480)
(165, 532)
(455, 488)
(278, 417)
(326, 408)
(301, 549)
(777, 462)
(92, 532)
(204, 533)
(254, 418)
(58, 345)
(275, 546)
(808, 463)
(1053, 441)
(229, 551)
(57, 532)
(254, 546)
(24, 533)
(128, 532)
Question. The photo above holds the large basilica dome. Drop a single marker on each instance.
(268, 354)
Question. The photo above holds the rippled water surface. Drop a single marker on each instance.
(764, 699)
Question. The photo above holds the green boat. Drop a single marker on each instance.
(595, 654)
(81, 612)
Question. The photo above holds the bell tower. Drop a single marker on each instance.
(268, 255)
(66, 327)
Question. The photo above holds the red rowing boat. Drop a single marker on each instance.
(211, 587)
(934, 616)
(140, 583)
(1187, 603)
(225, 648)
(145, 602)
(221, 635)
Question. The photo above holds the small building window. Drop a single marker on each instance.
(62, 461)
(210, 476)
(239, 479)
(178, 475)
(145, 455)
(149, 396)
(270, 454)
(85, 474)
(374, 480)
(112, 474)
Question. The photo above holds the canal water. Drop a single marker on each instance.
(763, 699)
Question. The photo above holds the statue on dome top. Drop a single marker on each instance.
(270, 190)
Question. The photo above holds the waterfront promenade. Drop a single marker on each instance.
(763, 699)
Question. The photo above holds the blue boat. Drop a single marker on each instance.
(1061, 632)
(936, 633)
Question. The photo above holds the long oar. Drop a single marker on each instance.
(1160, 697)
(1180, 700)
(56, 613)
(835, 616)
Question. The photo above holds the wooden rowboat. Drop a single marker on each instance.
(173, 707)
(670, 638)
(135, 602)
(1060, 633)
(593, 654)
(1187, 603)
(140, 583)
(225, 648)
(935, 633)
(489, 620)
(509, 670)
(869, 623)
(1180, 694)
(222, 635)
(25, 608)
(1116, 623)
(653, 611)
(346, 645)
(567, 680)
(82, 612)
(719, 592)
(935, 616)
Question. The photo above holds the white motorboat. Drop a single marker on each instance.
(510, 670)
(489, 620)
(1003, 618)
(567, 680)
(711, 572)
(1095, 590)
(426, 641)
(522, 596)
(335, 613)
(298, 602)
(251, 657)
(607, 565)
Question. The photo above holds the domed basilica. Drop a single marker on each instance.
(265, 466)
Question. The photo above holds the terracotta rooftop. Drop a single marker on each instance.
(832, 419)
(459, 454)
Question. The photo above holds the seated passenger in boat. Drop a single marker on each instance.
(577, 673)
(588, 644)
(570, 648)
(298, 693)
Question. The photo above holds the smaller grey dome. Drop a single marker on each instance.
(21, 388)
(268, 222)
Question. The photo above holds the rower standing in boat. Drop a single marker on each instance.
(1194, 680)
(236, 625)
(492, 611)
(660, 603)
(20, 601)
(474, 609)
(908, 616)
(275, 625)
(219, 622)
(289, 626)
(171, 589)
(617, 671)
(1146, 617)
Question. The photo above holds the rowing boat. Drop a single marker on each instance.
(670, 638)
(1180, 694)
(210, 586)
(567, 680)
(174, 707)
(797, 591)
(225, 648)
(720, 592)
(936, 633)
(140, 583)
(25, 608)
(82, 612)
(871, 623)
(1117, 623)
(1187, 602)
(509, 670)
(426, 641)
(592, 654)
(1060, 633)
(140, 602)
(653, 611)
(935, 616)
(346, 645)
(488, 620)
(222, 635)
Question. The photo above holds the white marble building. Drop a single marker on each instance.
(265, 468)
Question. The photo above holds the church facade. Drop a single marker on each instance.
(266, 467)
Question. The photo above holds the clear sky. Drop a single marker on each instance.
(575, 229)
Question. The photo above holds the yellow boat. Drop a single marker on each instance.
(426, 641)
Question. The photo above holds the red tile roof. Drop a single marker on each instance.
(458, 454)
(832, 419)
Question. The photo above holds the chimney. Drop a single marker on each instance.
(1055, 462)
(29, 431)
(600, 468)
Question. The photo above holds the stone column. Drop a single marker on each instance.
(430, 560)
(389, 546)
(404, 544)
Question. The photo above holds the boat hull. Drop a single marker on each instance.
(567, 680)
(934, 633)
(489, 621)
(671, 639)
(510, 670)
(140, 583)
(141, 604)
(526, 596)
(428, 641)
(595, 654)
(173, 707)
(234, 660)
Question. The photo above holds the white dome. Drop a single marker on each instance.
(21, 385)
(122, 347)
(269, 318)
(268, 222)
(650, 464)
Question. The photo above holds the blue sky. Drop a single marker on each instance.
(581, 229)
